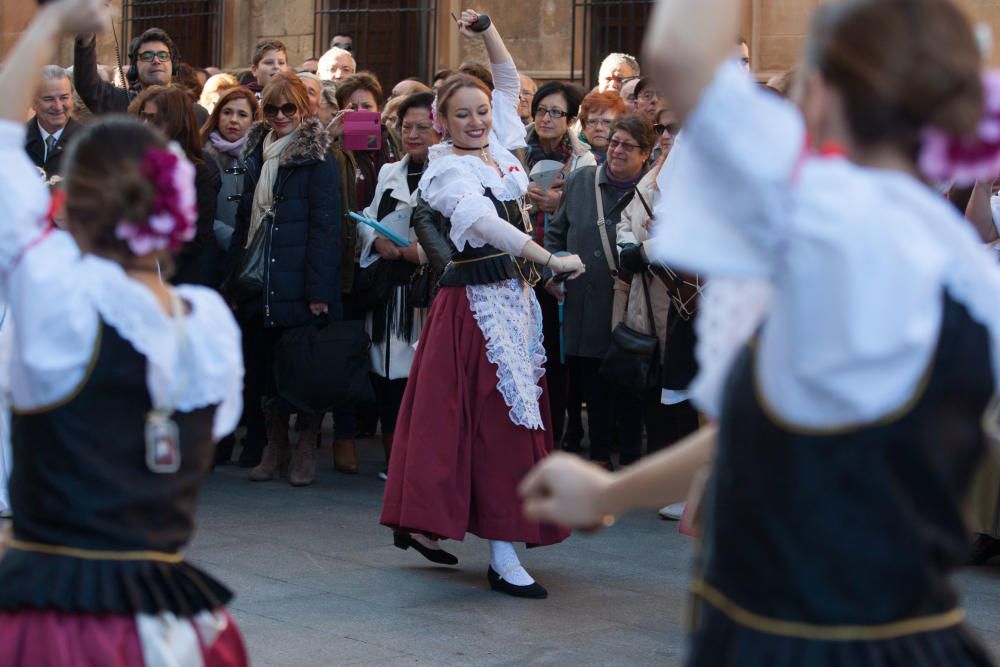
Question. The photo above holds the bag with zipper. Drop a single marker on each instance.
(633, 357)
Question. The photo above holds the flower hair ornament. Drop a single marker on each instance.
(172, 216)
(436, 119)
(964, 160)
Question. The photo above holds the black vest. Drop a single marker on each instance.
(853, 528)
(80, 480)
(481, 266)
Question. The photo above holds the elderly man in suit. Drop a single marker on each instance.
(52, 127)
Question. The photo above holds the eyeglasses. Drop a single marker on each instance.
(672, 128)
(649, 95)
(148, 56)
(599, 122)
(422, 128)
(626, 146)
(554, 114)
(527, 94)
(289, 109)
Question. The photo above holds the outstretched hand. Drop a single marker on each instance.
(565, 490)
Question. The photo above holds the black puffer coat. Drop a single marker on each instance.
(303, 243)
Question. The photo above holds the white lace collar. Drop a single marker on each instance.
(512, 185)
(207, 364)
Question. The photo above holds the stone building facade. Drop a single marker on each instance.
(549, 38)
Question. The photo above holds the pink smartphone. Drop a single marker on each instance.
(362, 131)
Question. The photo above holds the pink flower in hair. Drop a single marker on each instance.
(965, 160)
(171, 222)
(436, 119)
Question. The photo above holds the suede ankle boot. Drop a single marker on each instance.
(302, 469)
(277, 449)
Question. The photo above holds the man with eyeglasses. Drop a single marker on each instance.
(628, 94)
(153, 58)
(615, 69)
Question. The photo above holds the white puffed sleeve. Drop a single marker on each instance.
(452, 186)
(507, 126)
(41, 282)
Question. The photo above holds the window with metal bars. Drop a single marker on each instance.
(601, 27)
(194, 25)
(395, 39)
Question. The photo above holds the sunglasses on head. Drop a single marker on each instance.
(147, 56)
(672, 128)
(289, 109)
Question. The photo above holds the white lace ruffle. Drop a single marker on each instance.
(209, 371)
(511, 321)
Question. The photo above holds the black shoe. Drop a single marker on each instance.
(534, 591)
(404, 541)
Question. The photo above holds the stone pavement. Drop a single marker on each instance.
(318, 582)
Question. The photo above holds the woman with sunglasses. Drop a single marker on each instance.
(596, 302)
(290, 195)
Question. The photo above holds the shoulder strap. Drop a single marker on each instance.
(602, 223)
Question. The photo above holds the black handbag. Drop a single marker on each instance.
(323, 365)
(633, 358)
(248, 278)
(422, 287)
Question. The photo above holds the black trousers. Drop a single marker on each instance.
(388, 398)
(614, 414)
(666, 424)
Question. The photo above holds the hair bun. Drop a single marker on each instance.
(134, 196)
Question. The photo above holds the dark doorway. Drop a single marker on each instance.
(395, 39)
(601, 27)
(194, 25)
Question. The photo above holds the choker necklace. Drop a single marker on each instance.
(482, 150)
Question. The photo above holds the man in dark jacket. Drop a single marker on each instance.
(153, 57)
(49, 132)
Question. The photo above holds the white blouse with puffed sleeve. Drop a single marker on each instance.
(58, 297)
(849, 263)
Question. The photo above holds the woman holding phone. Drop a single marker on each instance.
(474, 417)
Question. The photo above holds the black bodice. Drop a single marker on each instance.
(852, 528)
(480, 266)
(80, 481)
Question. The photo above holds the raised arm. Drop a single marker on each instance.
(685, 43)
(495, 48)
(22, 70)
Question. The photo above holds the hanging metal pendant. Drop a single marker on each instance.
(163, 447)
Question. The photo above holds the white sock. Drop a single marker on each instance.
(426, 541)
(504, 561)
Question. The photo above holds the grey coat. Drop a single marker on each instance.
(589, 298)
(232, 173)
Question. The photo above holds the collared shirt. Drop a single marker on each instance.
(46, 135)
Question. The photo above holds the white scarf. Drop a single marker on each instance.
(263, 195)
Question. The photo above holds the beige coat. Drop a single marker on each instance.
(632, 229)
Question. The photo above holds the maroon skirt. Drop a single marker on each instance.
(457, 458)
(43, 637)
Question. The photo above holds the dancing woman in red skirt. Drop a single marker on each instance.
(474, 418)
(120, 387)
